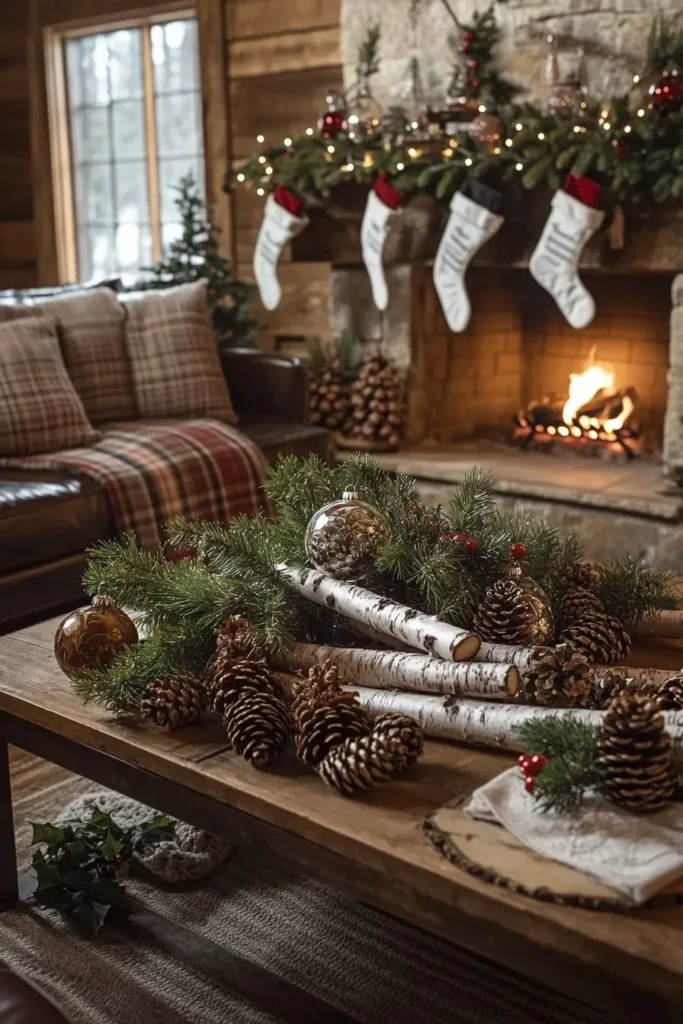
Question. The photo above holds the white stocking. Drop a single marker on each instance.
(373, 233)
(556, 257)
(278, 228)
(469, 227)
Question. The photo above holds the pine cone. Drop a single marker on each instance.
(173, 701)
(609, 685)
(559, 677)
(635, 755)
(376, 403)
(669, 696)
(600, 637)
(234, 639)
(409, 733)
(324, 715)
(584, 574)
(328, 395)
(245, 673)
(504, 616)
(257, 726)
(359, 764)
(574, 604)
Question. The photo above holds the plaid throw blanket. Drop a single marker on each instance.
(154, 472)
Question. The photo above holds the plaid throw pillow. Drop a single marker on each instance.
(173, 354)
(90, 325)
(39, 408)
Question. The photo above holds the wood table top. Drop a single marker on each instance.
(379, 833)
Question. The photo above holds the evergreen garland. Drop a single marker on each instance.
(182, 603)
(195, 256)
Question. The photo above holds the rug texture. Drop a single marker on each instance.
(376, 970)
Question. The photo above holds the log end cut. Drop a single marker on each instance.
(514, 681)
(466, 648)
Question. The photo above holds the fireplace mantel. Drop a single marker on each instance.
(652, 238)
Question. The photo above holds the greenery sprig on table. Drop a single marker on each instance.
(422, 564)
(79, 865)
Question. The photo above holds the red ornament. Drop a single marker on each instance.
(475, 83)
(524, 762)
(621, 147)
(517, 551)
(460, 537)
(473, 63)
(529, 783)
(472, 545)
(445, 536)
(468, 37)
(537, 764)
(667, 94)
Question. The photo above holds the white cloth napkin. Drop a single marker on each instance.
(635, 855)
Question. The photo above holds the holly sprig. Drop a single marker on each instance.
(80, 864)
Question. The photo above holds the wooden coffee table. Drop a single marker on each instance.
(372, 848)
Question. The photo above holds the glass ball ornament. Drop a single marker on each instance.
(91, 637)
(486, 129)
(364, 117)
(540, 627)
(333, 121)
(564, 100)
(342, 538)
(666, 94)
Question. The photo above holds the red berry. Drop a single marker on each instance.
(538, 763)
(473, 545)
(518, 551)
(473, 63)
(529, 783)
(468, 37)
(445, 536)
(524, 762)
(460, 537)
(475, 83)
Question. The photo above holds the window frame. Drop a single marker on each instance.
(59, 123)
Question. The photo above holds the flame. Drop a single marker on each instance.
(583, 386)
(618, 421)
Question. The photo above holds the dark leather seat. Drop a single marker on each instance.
(21, 1003)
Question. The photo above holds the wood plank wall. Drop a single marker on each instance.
(273, 67)
(282, 58)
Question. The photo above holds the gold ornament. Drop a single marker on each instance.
(540, 625)
(487, 129)
(364, 117)
(343, 537)
(91, 637)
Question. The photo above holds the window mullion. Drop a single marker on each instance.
(151, 142)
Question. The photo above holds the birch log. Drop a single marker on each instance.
(666, 625)
(369, 633)
(504, 654)
(483, 723)
(420, 631)
(417, 672)
(642, 676)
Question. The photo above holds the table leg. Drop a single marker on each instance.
(9, 893)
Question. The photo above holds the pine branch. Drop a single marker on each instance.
(572, 768)
(631, 592)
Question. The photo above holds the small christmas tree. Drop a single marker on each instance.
(474, 76)
(193, 256)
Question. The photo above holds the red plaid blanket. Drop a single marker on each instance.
(156, 471)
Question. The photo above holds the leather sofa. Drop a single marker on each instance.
(21, 1003)
(47, 520)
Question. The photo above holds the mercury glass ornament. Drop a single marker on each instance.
(91, 637)
(343, 537)
(565, 99)
(487, 129)
(364, 117)
(541, 626)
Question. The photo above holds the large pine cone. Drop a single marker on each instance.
(407, 731)
(377, 401)
(669, 696)
(234, 640)
(600, 637)
(559, 677)
(173, 701)
(244, 674)
(574, 604)
(359, 764)
(324, 715)
(504, 615)
(257, 726)
(328, 395)
(635, 755)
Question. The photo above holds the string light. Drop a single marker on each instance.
(577, 127)
(400, 167)
(309, 131)
(347, 167)
(241, 177)
(412, 153)
(288, 141)
(468, 162)
(414, 125)
(260, 192)
(330, 149)
(636, 79)
(260, 138)
(497, 151)
(261, 159)
(641, 112)
(519, 126)
(508, 142)
(541, 136)
(607, 126)
(447, 152)
(269, 170)
(627, 128)
(519, 167)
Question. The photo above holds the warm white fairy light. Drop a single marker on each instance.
(607, 126)
(519, 126)
(627, 128)
(412, 153)
(447, 152)
(347, 167)
(241, 177)
(519, 167)
(330, 149)
(400, 167)
(641, 112)
(482, 108)
(508, 142)
(288, 141)
(309, 131)
(260, 191)
(577, 127)
(269, 170)
(260, 138)
(636, 79)
(541, 136)
(468, 162)
(497, 151)
(261, 159)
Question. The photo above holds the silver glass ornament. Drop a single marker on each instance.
(342, 538)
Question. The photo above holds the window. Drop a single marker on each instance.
(129, 128)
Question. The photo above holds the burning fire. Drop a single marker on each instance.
(583, 387)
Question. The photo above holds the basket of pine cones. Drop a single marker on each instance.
(376, 407)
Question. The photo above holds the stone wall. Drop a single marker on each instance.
(614, 33)
(673, 424)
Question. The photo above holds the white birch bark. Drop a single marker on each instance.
(643, 676)
(668, 624)
(419, 631)
(508, 655)
(369, 633)
(416, 672)
(485, 723)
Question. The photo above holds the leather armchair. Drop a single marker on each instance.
(21, 1003)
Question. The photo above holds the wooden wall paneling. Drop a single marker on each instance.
(286, 52)
(216, 116)
(247, 18)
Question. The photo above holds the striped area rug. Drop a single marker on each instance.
(372, 968)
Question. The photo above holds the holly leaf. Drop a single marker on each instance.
(110, 847)
(92, 915)
(44, 832)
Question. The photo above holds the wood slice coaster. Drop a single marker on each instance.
(494, 855)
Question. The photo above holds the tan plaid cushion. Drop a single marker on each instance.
(173, 354)
(91, 332)
(39, 408)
